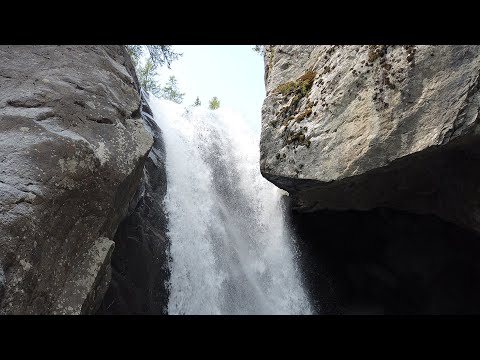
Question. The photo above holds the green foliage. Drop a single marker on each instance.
(146, 76)
(156, 56)
(159, 54)
(135, 52)
(259, 49)
(197, 102)
(171, 92)
(214, 103)
(264, 49)
(301, 86)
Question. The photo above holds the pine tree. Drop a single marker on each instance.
(170, 91)
(197, 102)
(214, 103)
(157, 56)
(146, 77)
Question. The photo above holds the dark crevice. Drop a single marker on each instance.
(101, 120)
(80, 103)
(25, 103)
(19, 201)
(135, 114)
(45, 116)
(386, 261)
(77, 87)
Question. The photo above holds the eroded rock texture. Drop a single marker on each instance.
(72, 150)
(358, 127)
(139, 261)
(378, 147)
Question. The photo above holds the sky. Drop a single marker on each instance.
(233, 73)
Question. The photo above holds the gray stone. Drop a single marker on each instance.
(88, 282)
(2, 283)
(140, 262)
(73, 146)
(393, 126)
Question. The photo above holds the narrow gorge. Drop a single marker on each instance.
(358, 196)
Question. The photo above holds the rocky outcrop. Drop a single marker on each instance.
(139, 261)
(73, 148)
(378, 147)
(360, 127)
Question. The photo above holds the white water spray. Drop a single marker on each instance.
(231, 252)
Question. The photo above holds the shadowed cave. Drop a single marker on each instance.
(386, 261)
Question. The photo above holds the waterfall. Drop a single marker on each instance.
(231, 251)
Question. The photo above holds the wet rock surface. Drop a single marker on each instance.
(140, 262)
(73, 146)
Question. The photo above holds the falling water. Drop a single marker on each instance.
(231, 251)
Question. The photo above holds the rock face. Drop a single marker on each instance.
(378, 147)
(139, 261)
(359, 127)
(73, 147)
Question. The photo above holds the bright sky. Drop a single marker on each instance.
(233, 73)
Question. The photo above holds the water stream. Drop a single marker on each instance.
(231, 250)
